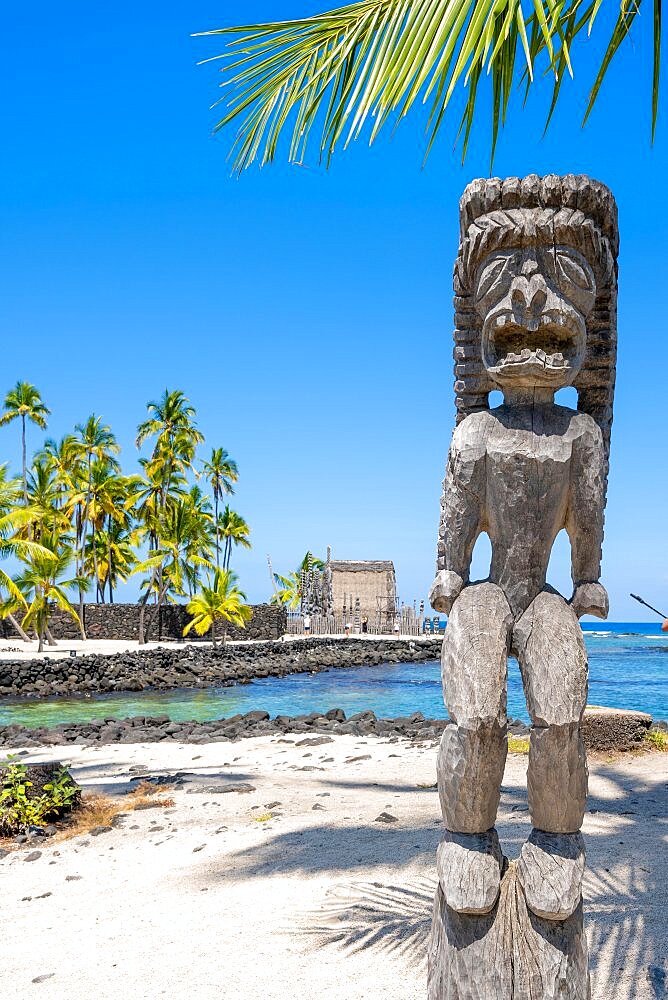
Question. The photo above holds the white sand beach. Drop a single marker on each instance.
(212, 898)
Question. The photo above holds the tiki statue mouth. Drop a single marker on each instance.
(534, 303)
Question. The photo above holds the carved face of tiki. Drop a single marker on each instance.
(534, 303)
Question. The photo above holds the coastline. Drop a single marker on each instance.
(177, 665)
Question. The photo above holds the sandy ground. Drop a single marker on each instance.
(211, 899)
(16, 649)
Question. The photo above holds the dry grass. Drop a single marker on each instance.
(101, 810)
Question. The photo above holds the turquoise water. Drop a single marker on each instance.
(628, 668)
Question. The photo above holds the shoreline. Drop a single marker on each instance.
(602, 729)
(180, 665)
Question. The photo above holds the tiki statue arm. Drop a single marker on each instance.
(585, 522)
(462, 505)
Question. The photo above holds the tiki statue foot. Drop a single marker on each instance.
(550, 871)
(470, 866)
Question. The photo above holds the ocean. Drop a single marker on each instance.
(628, 668)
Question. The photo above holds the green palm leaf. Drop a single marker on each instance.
(372, 60)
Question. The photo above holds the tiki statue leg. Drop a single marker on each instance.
(473, 750)
(553, 660)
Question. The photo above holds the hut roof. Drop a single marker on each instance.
(363, 566)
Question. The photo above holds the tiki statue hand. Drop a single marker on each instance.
(590, 599)
(445, 590)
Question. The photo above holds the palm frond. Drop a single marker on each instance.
(374, 59)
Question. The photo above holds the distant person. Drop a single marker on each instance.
(307, 624)
(365, 625)
(346, 628)
(396, 628)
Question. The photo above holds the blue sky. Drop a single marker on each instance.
(306, 313)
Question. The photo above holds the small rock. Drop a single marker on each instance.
(319, 807)
(386, 817)
(353, 760)
(73, 878)
(315, 741)
(43, 979)
(33, 856)
(200, 848)
(272, 805)
(97, 830)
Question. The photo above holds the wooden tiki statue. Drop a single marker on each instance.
(535, 311)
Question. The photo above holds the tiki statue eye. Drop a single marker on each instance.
(571, 271)
(492, 272)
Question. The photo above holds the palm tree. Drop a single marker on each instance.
(170, 565)
(95, 440)
(232, 527)
(290, 586)
(221, 472)
(106, 497)
(64, 458)
(221, 601)
(12, 521)
(171, 421)
(46, 513)
(24, 402)
(43, 585)
(370, 61)
(115, 557)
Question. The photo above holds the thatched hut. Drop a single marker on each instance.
(368, 587)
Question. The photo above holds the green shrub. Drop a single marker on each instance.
(20, 809)
(657, 739)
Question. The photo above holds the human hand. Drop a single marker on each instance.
(590, 599)
(664, 627)
(445, 590)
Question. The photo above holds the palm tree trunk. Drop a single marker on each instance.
(79, 565)
(224, 632)
(215, 500)
(13, 622)
(214, 637)
(142, 617)
(95, 567)
(25, 460)
(49, 636)
(109, 561)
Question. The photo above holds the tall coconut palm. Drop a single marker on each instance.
(234, 530)
(42, 584)
(23, 403)
(45, 513)
(221, 472)
(221, 601)
(106, 494)
(95, 441)
(169, 566)
(115, 556)
(171, 421)
(369, 62)
(64, 457)
(12, 525)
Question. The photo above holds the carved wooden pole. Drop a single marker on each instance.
(535, 310)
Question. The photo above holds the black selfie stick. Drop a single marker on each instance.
(655, 610)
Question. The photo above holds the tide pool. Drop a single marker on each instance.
(628, 668)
